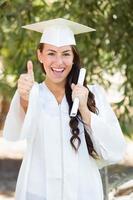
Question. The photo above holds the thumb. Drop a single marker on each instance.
(30, 68)
(72, 86)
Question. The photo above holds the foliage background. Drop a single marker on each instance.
(107, 51)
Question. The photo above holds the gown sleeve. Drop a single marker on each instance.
(18, 125)
(105, 132)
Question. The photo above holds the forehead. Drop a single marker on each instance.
(55, 48)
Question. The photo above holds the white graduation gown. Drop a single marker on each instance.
(51, 170)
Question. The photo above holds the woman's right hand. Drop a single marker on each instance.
(25, 82)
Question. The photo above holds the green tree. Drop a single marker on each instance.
(108, 50)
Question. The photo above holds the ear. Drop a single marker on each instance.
(39, 55)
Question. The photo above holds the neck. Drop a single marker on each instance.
(55, 88)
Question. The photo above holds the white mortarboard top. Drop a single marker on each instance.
(58, 32)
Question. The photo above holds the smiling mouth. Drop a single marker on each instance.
(58, 70)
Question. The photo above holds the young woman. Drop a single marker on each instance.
(63, 153)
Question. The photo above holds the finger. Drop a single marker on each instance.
(30, 69)
(25, 83)
(23, 93)
(26, 78)
(72, 86)
(21, 87)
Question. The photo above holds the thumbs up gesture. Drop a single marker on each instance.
(25, 82)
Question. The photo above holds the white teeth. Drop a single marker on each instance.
(58, 69)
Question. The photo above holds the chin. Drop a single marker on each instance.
(58, 81)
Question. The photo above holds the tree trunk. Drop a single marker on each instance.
(104, 175)
(4, 106)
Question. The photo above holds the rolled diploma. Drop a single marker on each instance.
(76, 100)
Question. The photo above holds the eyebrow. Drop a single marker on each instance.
(56, 51)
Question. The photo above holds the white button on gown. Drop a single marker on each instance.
(51, 170)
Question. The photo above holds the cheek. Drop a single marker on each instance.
(68, 62)
(47, 60)
(47, 63)
(68, 67)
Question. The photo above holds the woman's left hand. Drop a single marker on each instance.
(82, 93)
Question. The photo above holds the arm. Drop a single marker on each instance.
(106, 133)
(18, 124)
(14, 119)
(86, 115)
(24, 104)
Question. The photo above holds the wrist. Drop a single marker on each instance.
(86, 115)
(23, 103)
(83, 109)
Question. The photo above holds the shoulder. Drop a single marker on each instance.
(38, 87)
(35, 91)
(100, 94)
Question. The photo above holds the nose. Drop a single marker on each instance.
(59, 60)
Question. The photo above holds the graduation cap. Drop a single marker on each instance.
(58, 32)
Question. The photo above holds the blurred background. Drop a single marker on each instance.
(106, 54)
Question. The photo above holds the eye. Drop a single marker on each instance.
(66, 54)
(51, 54)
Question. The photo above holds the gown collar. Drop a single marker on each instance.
(53, 101)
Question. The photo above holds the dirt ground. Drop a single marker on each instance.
(120, 176)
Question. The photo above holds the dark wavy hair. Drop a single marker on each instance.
(74, 121)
